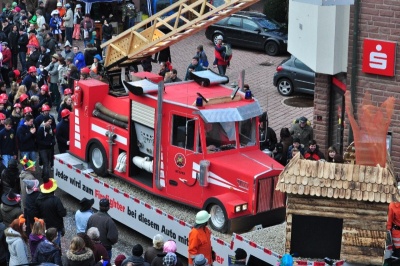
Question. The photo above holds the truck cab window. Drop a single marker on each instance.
(183, 132)
(247, 132)
(220, 136)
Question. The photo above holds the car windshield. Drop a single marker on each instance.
(247, 132)
(268, 24)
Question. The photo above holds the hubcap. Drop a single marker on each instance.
(217, 216)
(97, 158)
(284, 87)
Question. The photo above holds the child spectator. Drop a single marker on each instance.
(313, 153)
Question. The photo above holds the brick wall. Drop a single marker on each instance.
(321, 109)
(378, 20)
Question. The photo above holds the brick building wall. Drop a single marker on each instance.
(379, 19)
(321, 111)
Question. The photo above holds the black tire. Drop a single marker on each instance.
(271, 48)
(98, 159)
(214, 38)
(285, 87)
(219, 217)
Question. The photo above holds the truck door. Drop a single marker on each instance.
(182, 156)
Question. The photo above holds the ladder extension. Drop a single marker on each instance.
(132, 45)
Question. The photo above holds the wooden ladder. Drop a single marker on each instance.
(133, 45)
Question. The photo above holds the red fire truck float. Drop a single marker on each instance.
(192, 144)
(195, 142)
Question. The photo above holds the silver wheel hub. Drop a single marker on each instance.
(284, 87)
(217, 216)
(97, 158)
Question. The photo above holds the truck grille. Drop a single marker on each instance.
(268, 197)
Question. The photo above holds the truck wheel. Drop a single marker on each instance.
(98, 159)
(218, 220)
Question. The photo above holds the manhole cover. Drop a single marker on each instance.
(302, 102)
(266, 63)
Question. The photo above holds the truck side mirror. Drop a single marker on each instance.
(203, 178)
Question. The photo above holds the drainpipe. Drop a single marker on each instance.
(354, 63)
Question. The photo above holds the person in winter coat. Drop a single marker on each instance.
(32, 41)
(50, 208)
(13, 43)
(313, 153)
(107, 31)
(22, 47)
(69, 23)
(302, 130)
(240, 257)
(136, 258)
(33, 58)
(10, 178)
(200, 238)
(26, 139)
(10, 208)
(79, 59)
(157, 248)
(6, 63)
(83, 214)
(87, 24)
(334, 156)
(62, 131)
(37, 235)
(221, 62)
(3, 246)
(62, 76)
(268, 138)
(78, 254)
(296, 144)
(78, 17)
(27, 173)
(166, 256)
(40, 20)
(393, 225)
(47, 250)
(50, 43)
(8, 144)
(53, 72)
(106, 225)
(44, 57)
(17, 242)
(100, 252)
(32, 192)
(67, 52)
(89, 53)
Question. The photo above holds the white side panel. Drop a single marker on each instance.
(318, 36)
(144, 218)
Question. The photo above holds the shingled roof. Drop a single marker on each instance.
(342, 181)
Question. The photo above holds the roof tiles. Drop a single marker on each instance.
(339, 181)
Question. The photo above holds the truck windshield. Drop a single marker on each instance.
(247, 132)
(220, 136)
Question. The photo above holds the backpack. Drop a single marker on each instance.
(228, 52)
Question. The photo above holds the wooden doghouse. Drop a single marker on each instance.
(337, 210)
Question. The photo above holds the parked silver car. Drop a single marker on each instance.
(293, 75)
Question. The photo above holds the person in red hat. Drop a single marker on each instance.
(85, 73)
(62, 131)
(50, 208)
(26, 138)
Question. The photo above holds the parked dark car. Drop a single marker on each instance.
(251, 30)
(293, 75)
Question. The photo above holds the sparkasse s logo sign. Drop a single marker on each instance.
(379, 57)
